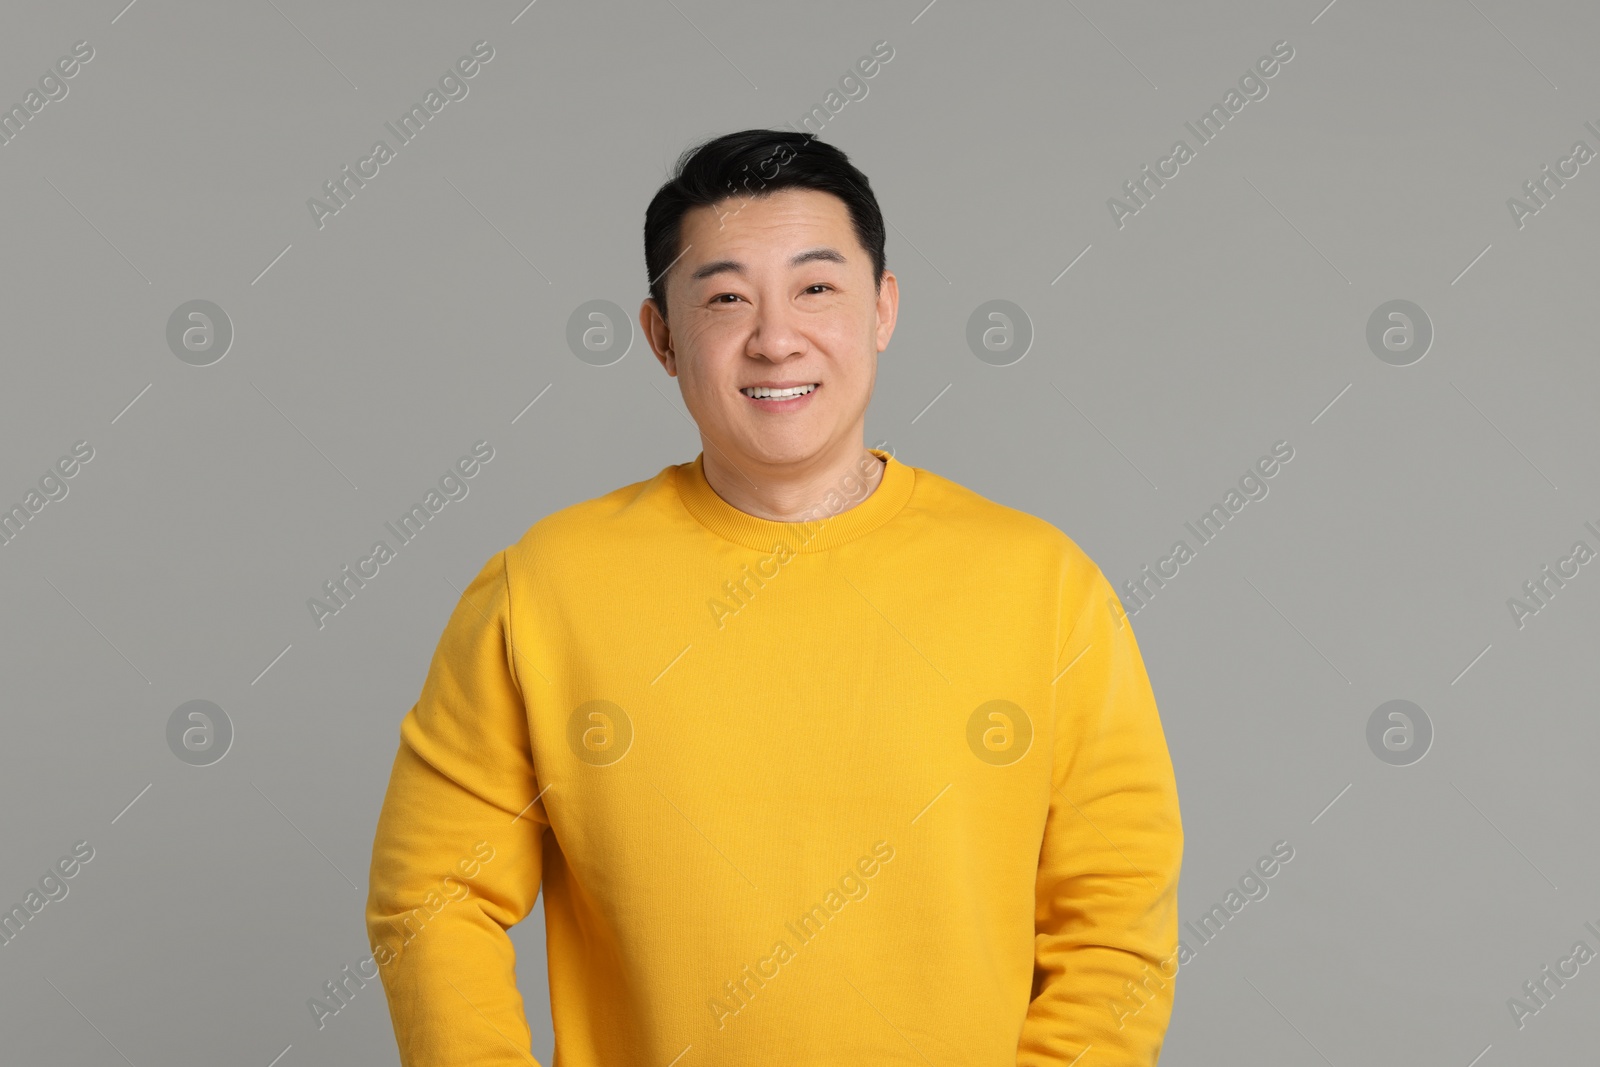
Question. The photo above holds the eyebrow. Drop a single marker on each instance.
(721, 266)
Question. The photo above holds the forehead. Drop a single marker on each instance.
(772, 223)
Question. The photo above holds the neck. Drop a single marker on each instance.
(820, 486)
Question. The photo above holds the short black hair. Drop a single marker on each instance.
(741, 164)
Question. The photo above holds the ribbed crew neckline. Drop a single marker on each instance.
(817, 535)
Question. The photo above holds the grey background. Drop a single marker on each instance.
(1229, 314)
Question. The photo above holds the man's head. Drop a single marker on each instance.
(765, 253)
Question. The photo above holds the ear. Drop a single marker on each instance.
(654, 327)
(888, 308)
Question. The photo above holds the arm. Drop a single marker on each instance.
(1106, 922)
(456, 858)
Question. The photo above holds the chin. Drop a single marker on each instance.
(786, 447)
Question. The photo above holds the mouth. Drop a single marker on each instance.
(766, 395)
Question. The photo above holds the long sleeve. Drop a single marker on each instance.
(456, 856)
(1106, 921)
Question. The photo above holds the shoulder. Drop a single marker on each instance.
(1019, 536)
(580, 530)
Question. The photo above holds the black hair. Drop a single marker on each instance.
(755, 163)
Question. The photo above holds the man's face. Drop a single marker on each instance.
(774, 290)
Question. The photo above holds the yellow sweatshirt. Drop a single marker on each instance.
(888, 787)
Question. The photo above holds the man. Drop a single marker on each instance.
(818, 757)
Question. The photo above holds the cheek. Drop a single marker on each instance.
(688, 331)
(715, 336)
(843, 336)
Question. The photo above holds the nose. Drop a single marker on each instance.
(776, 335)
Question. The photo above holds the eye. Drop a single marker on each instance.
(819, 285)
(719, 297)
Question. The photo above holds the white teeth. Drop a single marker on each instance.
(779, 394)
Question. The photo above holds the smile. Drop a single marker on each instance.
(763, 393)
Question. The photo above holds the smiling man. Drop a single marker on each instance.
(819, 758)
